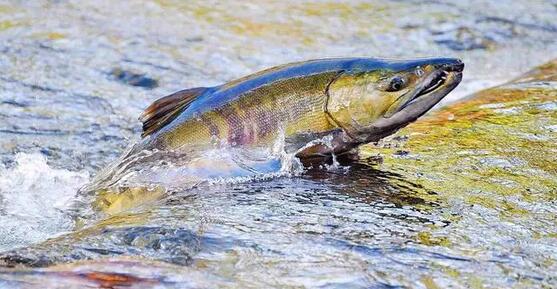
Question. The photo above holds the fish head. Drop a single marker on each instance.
(373, 100)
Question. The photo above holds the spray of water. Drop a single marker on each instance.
(34, 198)
(148, 175)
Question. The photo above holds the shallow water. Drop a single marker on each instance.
(351, 226)
(409, 216)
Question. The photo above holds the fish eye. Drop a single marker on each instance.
(396, 84)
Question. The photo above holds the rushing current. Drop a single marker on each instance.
(72, 86)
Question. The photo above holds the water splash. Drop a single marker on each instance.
(33, 200)
(140, 177)
(179, 170)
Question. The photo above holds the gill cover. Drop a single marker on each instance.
(357, 99)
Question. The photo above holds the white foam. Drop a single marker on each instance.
(179, 170)
(213, 166)
(33, 200)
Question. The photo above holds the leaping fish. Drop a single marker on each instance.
(352, 100)
(313, 109)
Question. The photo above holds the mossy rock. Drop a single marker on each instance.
(499, 142)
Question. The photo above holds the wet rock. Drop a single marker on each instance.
(492, 160)
(171, 245)
(133, 79)
(503, 125)
(464, 38)
(109, 273)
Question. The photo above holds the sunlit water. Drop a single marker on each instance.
(65, 115)
(349, 226)
(33, 199)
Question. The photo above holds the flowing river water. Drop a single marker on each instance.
(463, 199)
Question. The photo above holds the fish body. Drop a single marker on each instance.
(254, 125)
(350, 100)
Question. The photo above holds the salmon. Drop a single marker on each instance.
(314, 109)
(352, 101)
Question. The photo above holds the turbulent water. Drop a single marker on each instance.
(73, 84)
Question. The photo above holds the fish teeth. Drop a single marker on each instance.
(444, 75)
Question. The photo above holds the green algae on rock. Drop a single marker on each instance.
(491, 160)
(500, 141)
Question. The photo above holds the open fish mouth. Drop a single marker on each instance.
(436, 81)
(428, 92)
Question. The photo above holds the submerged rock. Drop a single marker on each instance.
(134, 79)
(109, 273)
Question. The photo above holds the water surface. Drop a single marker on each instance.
(466, 200)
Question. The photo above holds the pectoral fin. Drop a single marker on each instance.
(164, 110)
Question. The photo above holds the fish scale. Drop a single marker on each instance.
(254, 118)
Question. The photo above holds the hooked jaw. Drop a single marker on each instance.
(446, 75)
(436, 79)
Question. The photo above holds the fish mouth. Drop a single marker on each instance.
(428, 92)
(436, 81)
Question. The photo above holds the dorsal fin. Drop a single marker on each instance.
(166, 109)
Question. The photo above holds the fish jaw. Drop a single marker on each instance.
(413, 108)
